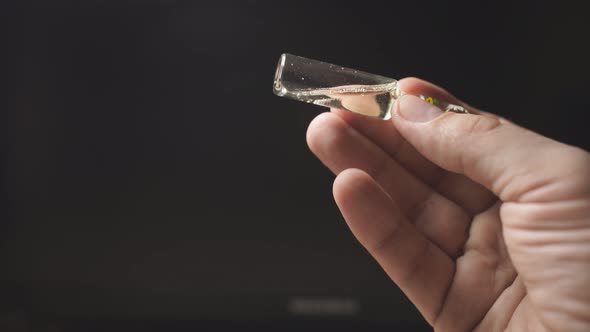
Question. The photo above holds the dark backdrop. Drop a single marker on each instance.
(152, 179)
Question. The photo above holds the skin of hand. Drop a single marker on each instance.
(484, 225)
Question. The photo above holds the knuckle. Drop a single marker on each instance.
(460, 126)
(478, 124)
(457, 132)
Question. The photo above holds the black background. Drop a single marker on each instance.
(152, 180)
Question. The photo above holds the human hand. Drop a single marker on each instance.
(484, 225)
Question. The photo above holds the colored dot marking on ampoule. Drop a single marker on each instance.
(430, 100)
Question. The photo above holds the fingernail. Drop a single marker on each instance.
(414, 109)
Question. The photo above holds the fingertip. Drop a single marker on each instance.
(413, 109)
(348, 183)
(355, 119)
(321, 128)
(355, 191)
(415, 85)
(411, 83)
(366, 208)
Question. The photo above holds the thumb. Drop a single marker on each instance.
(514, 163)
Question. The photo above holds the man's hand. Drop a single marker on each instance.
(484, 225)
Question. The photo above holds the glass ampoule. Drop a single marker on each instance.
(329, 85)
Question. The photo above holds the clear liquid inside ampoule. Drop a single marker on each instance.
(334, 86)
(371, 100)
